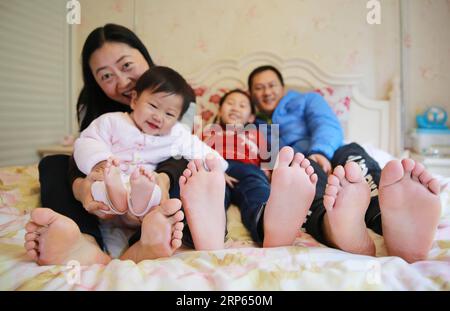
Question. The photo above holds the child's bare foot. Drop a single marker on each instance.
(161, 233)
(292, 191)
(346, 199)
(142, 194)
(410, 209)
(203, 194)
(52, 239)
(116, 191)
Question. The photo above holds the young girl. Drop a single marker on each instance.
(248, 186)
(135, 143)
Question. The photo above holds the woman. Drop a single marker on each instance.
(113, 58)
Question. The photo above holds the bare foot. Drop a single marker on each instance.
(203, 194)
(410, 209)
(161, 233)
(116, 191)
(346, 199)
(292, 191)
(52, 239)
(142, 184)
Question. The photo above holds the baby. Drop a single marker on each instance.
(132, 144)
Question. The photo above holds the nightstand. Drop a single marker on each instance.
(435, 165)
(55, 149)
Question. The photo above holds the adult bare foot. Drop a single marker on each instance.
(144, 193)
(346, 199)
(114, 186)
(203, 194)
(161, 233)
(410, 209)
(292, 191)
(52, 239)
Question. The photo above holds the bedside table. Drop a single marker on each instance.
(55, 149)
(435, 165)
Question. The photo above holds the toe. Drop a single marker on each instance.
(314, 178)
(178, 226)
(333, 180)
(30, 245)
(192, 167)
(298, 158)
(425, 178)
(408, 165)
(285, 157)
(199, 165)
(31, 236)
(43, 216)
(417, 171)
(434, 186)
(177, 235)
(187, 173)
(353, 172)
(31, 227)
(213, 163)
(391, 173)
(305, 163)
(177, 217)
(182, 181)
(328, 202)
(32, 254)
(331, 190)
(339, 172)
(309, 170)
(170, 207)
(176, 243)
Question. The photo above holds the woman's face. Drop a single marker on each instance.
(116, 68)
(266, 91)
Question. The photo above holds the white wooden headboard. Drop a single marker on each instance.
(369, 121)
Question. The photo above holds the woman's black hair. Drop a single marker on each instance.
(222, 100)
(92, 101)
(160, 79)
(261, 69)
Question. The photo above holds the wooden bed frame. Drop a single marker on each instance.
(370, 121)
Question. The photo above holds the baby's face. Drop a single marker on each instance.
(156, 113)
(236, 110)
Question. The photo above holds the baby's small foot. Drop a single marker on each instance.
(142, 184)
(410, 209)
(52, 239)
(114, 187)
(346, 199)
(292, 191)
(203, 195)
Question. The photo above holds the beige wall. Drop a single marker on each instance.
(189, 34)
(427, 56)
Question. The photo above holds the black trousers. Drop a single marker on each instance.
(372, 173)
(56, 193)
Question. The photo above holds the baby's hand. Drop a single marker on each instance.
(230, 180)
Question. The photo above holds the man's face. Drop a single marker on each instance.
(266, 90)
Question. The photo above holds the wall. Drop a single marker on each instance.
(334, 34)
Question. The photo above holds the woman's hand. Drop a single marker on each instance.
(82, 191)
(163, 181)
(230, 180)
(322, 161)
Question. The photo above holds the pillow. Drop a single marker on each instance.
(339, 99)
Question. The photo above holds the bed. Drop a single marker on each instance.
(306, 265)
